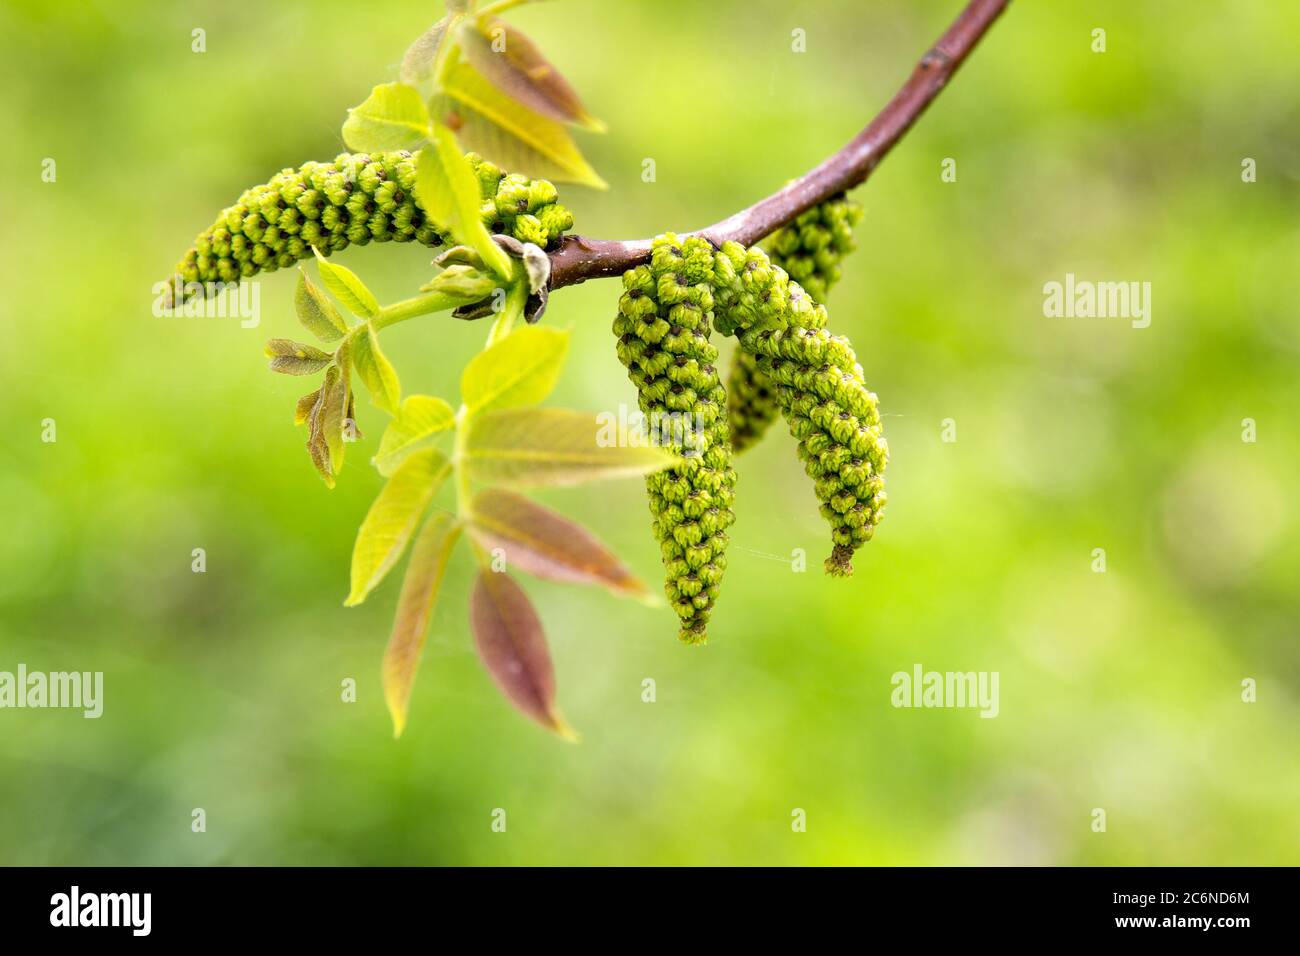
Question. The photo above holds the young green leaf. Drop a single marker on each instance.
(294, 358)
(521, 369)
(465, 283)
(347, 288)
(375, 370)
(433, 189)
(424, 572)
(546, 544)
(418, 61)
(458, 256)
(392, 117)
(540, 447)
(337, 396)
(512, 645)
(511, 62)
(507, 132)
(317, 313)
(418, 420)
(448, 190)
(392, 518)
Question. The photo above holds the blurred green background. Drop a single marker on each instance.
(1119, 691)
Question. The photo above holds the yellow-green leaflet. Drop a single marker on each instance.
(346, 287)
(538, 447)
(420, 587)
(375, 370)
(418, 420)
(521, 369)
(317, 313)
(392, 519)
(392, 117)
(446, 187)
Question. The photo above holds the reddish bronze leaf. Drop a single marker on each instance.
(547, 544)
(513, 647)
(513, 63)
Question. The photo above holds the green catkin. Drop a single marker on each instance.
(356, 199)
(663, 328)
(810, 250)
(812, 247)
(818, 385)
(751, 405)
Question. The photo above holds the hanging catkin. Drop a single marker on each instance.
(810, 250)
(663, 330)
(817, 382)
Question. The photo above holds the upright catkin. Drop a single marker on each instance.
(810, 250)
(663, 327)
(356, 199)
(818, 385)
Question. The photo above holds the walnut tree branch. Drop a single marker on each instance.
(579, 258)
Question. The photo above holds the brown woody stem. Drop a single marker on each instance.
(580, 258)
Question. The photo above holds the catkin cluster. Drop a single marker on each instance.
(356, 199)
(810, 250)
(663, 328)
(817, 382)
